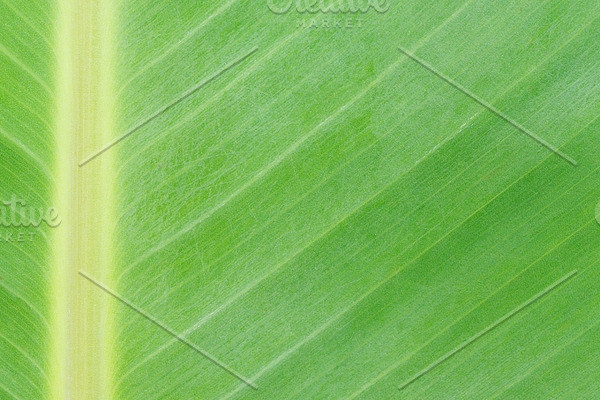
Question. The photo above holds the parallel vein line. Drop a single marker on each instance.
(329, 176)
(318, 185)
(421, 41)
(24, 300)
(329, 322)
(29, 23)
(395, 365)
(289, 39)
(245, 290)
(176, 45)
(27, 151)
(513, 322)
(337, 316)
(293, 256)
(23, 353)
(270, 51)
(489, 107)
(263, 171)
(340, 314)
(304, 195)
(487, 330)
(166, 108)
(221, 145)
(24, 67)
(27, 107)
(177, 336)
(545, 360)
(14, 396)
(370, 291)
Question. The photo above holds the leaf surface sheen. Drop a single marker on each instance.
(323, 215)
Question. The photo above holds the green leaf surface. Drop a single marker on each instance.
(289, 200)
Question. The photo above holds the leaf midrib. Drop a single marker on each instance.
(81, 356)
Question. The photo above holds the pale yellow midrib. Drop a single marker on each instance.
(81, 356)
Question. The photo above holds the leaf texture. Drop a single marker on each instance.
(303, 204)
